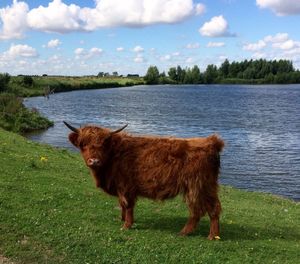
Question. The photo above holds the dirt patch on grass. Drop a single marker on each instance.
(4, 260)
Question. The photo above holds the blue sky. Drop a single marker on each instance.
(76, 37)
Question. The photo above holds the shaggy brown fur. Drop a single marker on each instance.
(158, 168)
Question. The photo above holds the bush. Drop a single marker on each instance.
(4, 80)
(27, 81)
(15, 117)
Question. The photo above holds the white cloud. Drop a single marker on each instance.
(215, 44)
(95, 51)
(279, 46)
(136, 12)
(56, 17)
(286, 45)
(279, 37)
(82, 54)
(79, 51)
(189, 60)
(216, 27)
(21, 51)
(59, 17)
(255, 46)
(14, 20)
(200, 9)
(165, 57)
(53, 43)
(138, 49)
(193, 46)
(281, 7)
(119, 49)
(139, 58)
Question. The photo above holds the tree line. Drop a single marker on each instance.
(245, 72)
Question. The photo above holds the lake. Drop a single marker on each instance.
(260, 124)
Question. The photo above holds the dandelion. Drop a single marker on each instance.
(44, 159)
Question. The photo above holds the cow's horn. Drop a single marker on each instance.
(119, 130)
(71, 127)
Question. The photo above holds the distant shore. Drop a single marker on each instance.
(46, 85)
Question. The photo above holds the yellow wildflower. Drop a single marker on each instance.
(217, 238)
(44, 159)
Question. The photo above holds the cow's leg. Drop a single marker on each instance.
(214, 214)
(129, 213)
(196, 212)
(123, 212)
(122, 203)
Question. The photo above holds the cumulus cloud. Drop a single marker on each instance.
(216, 27)
(53, 43)
(215, 44)
(14, 20)
(193, 46)
(119, 49)
(82, 54)
(189, 60)
(279, 37)
(21, 51)
(166, 57)
(59, 17)
(200, 9)
(138, 49)
(286, 45)
(281, 7)
(139, 58)
(136, 12)
(255, 46)
(279, 46)
(56, 17)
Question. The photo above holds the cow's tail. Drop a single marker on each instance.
(217, 142)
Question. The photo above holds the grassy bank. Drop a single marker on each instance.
(14, 116)
(51, 212)
(23, 86)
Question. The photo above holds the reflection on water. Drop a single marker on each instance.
(260, 124)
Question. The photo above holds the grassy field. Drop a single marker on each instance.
(51, 212)
(64, 84)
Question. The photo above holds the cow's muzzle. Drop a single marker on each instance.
(93, 162)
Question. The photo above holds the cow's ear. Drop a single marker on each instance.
(107, 140)
(73, 137)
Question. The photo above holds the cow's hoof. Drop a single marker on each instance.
(185, 232)
(213, 237)
(126, 226)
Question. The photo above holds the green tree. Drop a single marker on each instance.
(4, 80)
(211, 73)
(269, 78)
(224, 68)
(188, 78)
(152, 75)
(27, 80)
(249, 73)
(173, 74)
(195, 75)
(180, 74)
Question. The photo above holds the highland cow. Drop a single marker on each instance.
(158, 168)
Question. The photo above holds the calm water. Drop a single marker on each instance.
(260, 124)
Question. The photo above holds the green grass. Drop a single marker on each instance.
(65, 84)
(14, 116)
(51, 212)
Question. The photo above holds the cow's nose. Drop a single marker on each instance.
(92, 161)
